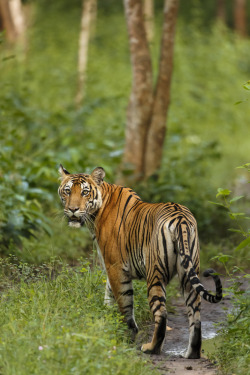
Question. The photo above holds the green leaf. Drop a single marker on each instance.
(223, 192)
(234, 215)
(224, 258)
(47, 228)
(235, 230)
(236, 198)
(217, 204)
(246, 86)
(243, 244)
(247, 165)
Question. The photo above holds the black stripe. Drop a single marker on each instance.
(130, 306)
(128, 292)
(158, 283)
(157, 308)
(124, 209)
(157, 298)
(164, 242)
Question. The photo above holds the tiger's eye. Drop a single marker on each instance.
(67, 191)
(85, 192)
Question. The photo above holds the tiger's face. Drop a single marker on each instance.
(80, 195)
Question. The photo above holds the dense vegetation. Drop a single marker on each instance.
(208, 137)
(60, 326)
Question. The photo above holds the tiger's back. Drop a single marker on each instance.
(139, 228)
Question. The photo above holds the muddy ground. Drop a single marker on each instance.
(176, 342)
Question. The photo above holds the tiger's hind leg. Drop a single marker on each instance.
(157, 303)
(193, 304)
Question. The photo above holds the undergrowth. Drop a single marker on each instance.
(53, 321)
(234, 354)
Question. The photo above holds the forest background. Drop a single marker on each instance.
(207, 138)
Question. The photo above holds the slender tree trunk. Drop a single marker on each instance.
(147, 110)
(7, 20)
(12, 16)
(240, 17)
(141, 99)
(157, 128)
(17, 16)
(221, 11)
(88, 10)
(149, 19)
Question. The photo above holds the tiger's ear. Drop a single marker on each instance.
(98, 175)
(63, 172)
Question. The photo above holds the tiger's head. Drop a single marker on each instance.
(80, 195)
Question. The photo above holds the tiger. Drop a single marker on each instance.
(140, 240)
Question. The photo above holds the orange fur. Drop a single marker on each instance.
(140, 240)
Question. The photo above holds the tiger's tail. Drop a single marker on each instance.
(186, 261)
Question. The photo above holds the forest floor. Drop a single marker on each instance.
(170, 361)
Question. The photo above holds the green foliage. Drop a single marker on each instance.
(40, 127)
(234, 354)
(240, 218)
(21, 211)
(59, 324)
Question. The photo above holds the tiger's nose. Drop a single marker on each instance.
(73, 209)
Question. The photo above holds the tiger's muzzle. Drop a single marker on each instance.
(76, 218)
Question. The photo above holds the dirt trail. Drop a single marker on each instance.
(176, 342)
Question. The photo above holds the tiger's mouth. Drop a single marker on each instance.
(76, 222)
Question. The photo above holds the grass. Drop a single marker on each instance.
(231, 350)
(60, 325)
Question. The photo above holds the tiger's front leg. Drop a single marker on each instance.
(122, 289)
(109, 298)
(157, 303)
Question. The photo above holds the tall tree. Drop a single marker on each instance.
(149, 18)
(88, 15)
(141, 98)
(148, 106)
(240, 23)
(12, 17)
(221, 11)
(7, 21)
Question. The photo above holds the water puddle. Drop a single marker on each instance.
(209, 330)
(176, 345)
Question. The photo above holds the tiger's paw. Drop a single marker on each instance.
(133, 328)
(150, 349)
(192, 355)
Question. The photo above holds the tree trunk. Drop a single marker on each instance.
(13, 20)
(157, 128)
(147, 110)
(7, 20)
(149, 19)
(141, 99)
(18, 16)
(88, 12)
(221, 11)
(240, 17)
